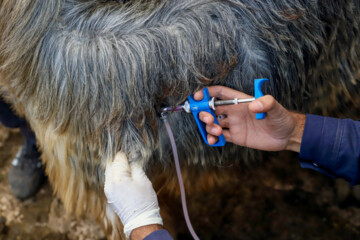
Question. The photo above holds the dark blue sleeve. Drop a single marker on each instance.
(331, 146)
(159, 235)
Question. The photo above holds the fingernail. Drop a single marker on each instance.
(206, 119)
(213, 131)
(258, 106)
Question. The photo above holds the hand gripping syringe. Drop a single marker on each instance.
(208, 104)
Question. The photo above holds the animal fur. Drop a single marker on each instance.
(91, 75)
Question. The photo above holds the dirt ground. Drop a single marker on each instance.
(41, 217)
(277, 200)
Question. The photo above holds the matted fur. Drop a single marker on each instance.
(90, 75)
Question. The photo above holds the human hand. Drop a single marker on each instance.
(280, 130)
(131, 195)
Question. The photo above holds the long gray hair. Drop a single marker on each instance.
(102, 70)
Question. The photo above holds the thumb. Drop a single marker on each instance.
(267, 104)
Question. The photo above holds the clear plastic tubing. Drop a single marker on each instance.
(181, 183)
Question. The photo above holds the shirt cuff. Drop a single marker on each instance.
(322, 147)
(161, 234)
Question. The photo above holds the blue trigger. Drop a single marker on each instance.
(258, 93)
(203, 106)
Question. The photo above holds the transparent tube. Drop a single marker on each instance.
(181, 183)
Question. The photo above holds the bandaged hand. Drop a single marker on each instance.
(130, 193)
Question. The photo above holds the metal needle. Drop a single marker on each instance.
(212, 104)
(232, 101)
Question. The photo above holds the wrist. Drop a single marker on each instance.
(147, 218)
(294, 141)
(143, 231)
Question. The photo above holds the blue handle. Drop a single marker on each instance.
(203, 106)
(258, 93)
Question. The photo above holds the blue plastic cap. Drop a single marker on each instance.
(258, 93)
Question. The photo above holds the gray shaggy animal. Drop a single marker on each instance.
(91, 75)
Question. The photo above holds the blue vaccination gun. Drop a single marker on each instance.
(208, 104)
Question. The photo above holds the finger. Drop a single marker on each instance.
(212, 139)
(221, 117)
(119, 169)
(199, 95)
(138, 174)
(221, 110)
(224, 122)
(227, 135)
(206, 117)
(267, 104)
(214, 129)
(220, 92)
(263, 104)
